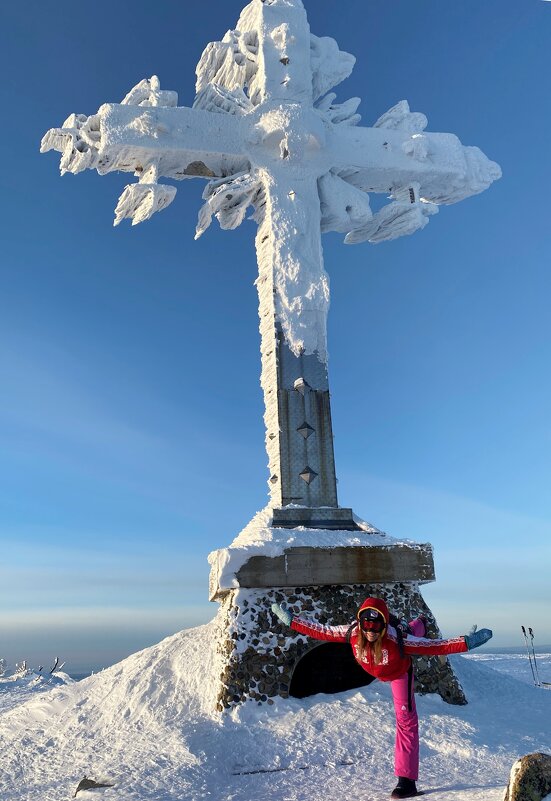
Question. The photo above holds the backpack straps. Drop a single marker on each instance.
(350, 630)
(397, 624)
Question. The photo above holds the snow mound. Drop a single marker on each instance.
(15, 688)
(147, 725)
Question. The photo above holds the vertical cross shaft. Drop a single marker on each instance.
(306, 460)
(299, 436)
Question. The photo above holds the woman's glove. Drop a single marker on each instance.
(476, 638)
(285, 616)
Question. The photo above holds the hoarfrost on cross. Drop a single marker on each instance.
(266, 131)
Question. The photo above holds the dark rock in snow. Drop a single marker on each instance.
(90, 784)
(530, 778)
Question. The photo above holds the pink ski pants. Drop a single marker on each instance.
(406, 749)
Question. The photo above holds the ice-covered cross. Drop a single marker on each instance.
(266, 132)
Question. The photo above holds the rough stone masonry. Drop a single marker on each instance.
(259, 656)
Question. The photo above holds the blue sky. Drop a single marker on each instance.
(131, 434)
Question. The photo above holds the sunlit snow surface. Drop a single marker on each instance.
(516, 665)
(146, 725)
(16, 690)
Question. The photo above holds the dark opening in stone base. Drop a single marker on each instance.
(328, 668)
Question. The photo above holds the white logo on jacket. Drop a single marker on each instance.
(364, 658)
(361, 657)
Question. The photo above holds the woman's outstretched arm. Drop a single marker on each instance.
(419, 646)
(310, 627)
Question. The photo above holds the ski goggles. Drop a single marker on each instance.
(371, 620)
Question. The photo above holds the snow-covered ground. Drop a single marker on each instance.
(515, 665)
(146, 725)
(16, 689)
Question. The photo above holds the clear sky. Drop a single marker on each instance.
(131, 433)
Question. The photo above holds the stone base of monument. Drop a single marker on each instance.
(323, 574)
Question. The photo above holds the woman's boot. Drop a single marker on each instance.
(405, 788)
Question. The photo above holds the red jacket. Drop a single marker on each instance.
(392, 665)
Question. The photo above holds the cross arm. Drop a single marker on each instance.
(384, 160)
(179, 139)
(151, 141)
(182, 142)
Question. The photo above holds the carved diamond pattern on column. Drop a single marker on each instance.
(302, 386)
(308, 474)
(305, 430)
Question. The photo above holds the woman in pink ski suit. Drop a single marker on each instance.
(376, 648)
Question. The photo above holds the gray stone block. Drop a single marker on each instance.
(326, 566)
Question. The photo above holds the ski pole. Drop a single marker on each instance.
(534, 654)
(529, 655)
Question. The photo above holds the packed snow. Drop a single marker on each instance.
(16, 687)
(147, 725)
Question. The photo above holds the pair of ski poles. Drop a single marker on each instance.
(532, 658)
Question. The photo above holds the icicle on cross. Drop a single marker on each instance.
(267, 132)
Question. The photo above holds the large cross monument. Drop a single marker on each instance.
(267, 134)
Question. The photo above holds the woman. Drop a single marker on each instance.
(385, 652)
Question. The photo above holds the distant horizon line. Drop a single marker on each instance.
(539, 649)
